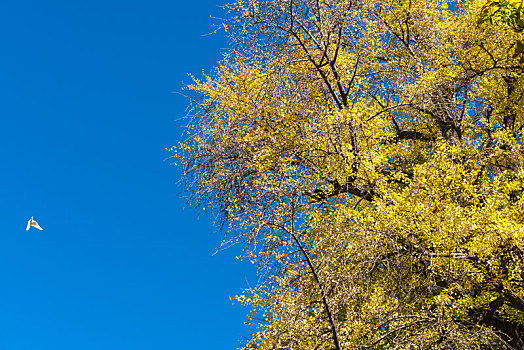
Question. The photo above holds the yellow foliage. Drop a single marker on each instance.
(369, 156)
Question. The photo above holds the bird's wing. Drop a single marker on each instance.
(35, 225)
(28, 225)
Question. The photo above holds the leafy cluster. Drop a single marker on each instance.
(369, 155)
(508, 12)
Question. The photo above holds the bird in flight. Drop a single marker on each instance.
(33, 223)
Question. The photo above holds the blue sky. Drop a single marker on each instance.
(87, 109)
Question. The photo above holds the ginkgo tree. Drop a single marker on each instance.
(368, 155)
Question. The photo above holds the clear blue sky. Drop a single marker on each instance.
(87, 109)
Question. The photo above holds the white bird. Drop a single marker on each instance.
(33, 223)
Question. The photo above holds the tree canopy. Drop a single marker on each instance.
(368, 155)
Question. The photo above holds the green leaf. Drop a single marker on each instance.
(518, 49)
